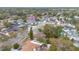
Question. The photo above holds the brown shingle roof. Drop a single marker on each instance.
(29, 46)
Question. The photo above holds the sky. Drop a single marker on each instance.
(39, 3)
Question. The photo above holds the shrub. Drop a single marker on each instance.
(16, 46)
(3, 38)
(6, 48)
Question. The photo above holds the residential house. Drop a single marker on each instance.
(53, 20)
(31, 19)
(76, 17)
(33, 45)
(45, 17)
(30, 46)
(20, 21)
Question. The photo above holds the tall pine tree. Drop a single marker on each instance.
(31, 34)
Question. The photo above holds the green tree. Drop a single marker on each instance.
(53, 48)
(58, 31)
(16, 46)
(31, 34)
(51, 31)
(7, 24)
(48, 30)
